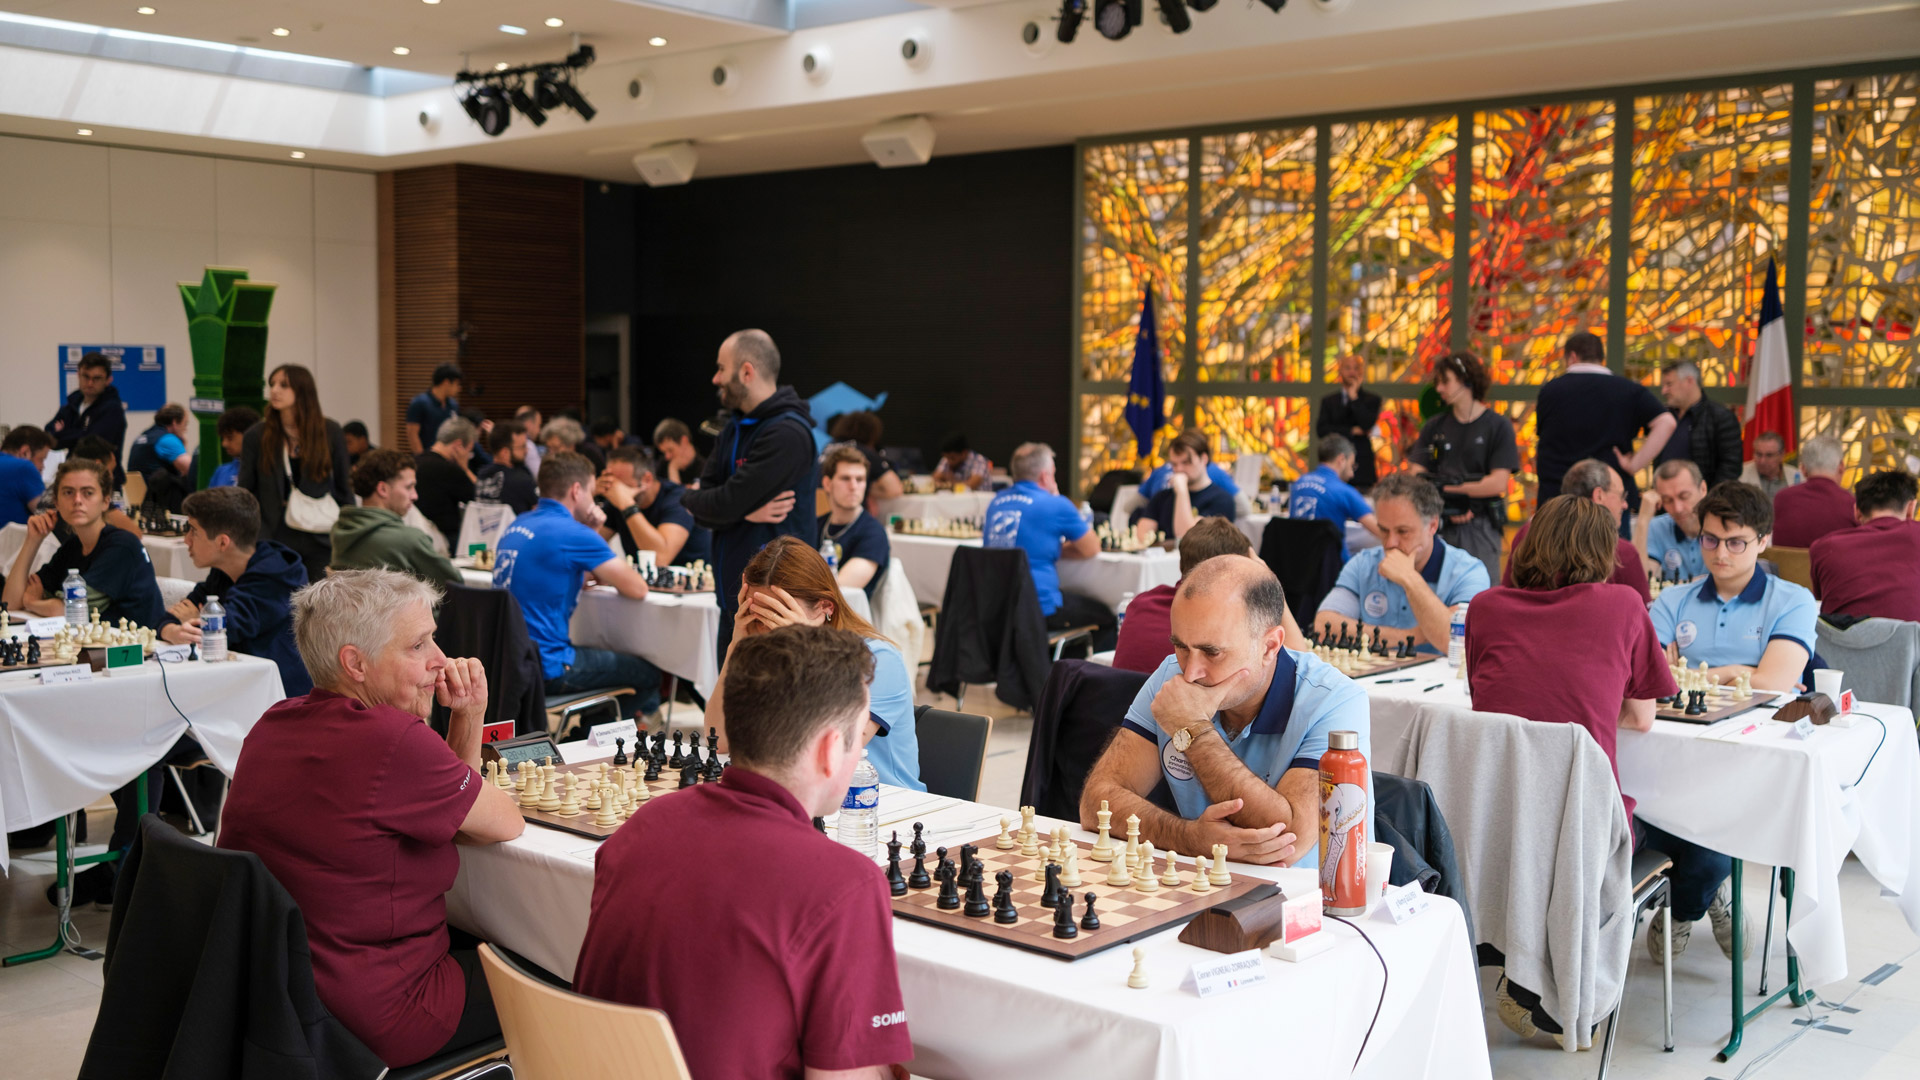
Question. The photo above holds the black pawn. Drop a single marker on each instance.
(1003, 909)
(619, 752)
(1052, 894)
(896, 882)
(679, 757)
(1090, 921)
(919, 879)
(949, 898)
(712, 771)
(919, 845)
(976, 893)
(1063, 918)
(688, 778)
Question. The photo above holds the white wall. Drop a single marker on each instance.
(94, 238)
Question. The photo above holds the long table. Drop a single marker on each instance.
(168, 553)
(979, 1009)
(1107, 577)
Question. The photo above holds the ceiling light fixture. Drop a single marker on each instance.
(401, 50)
(556, 23)
(491, 98)
(656, 42)
(506, 29)
(502, 66)
(529, 108)
(1071, 12)
(84, 131)
(1174, 14)
(297, 154)
(429, 1)
(281, 31)
(1116, 19)
(488, 107)
(143, 11)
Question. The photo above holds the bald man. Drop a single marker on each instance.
(1232, 726)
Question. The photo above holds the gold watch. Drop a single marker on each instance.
(1184, 737)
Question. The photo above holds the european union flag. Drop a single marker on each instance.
(1146, 396)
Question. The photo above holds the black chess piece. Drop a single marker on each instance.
(619, 752)
(679, 757)
(713, 743)
(918, 878)
(1696, 702)
(1003, 909)
(1052, 893)
(976, 893)
(1063, 926)
(653, 770)
(193, 651)
(896, 882)
(919, 845)
(969, 854)
(1090, 921)
(949, 897)
(688, 778)
(820, 826)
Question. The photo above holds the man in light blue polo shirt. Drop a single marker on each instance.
(1414, 581)
(1670, 543)
(1740, 621)
(1325, 494)
(1032, 514)
(1223, 743)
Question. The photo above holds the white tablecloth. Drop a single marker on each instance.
(63, 746)
(1107, 577)
(948, 505)
(977, 1009)
(1775, 801)
(169, 553)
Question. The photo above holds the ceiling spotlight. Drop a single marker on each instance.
(522, 31)
(1071, 12)
(401, 50)
(281, 31)
(429, 1)
(1116, 19)
(1202, 5)
(501, 66)
(143, 11)
(556, 23)
(546, 89)
(488, 107)
(1175, 14)
(1276, 5)
(528, 107)
(574, 100)
(84, 131)
(656, 42)
(298, 154)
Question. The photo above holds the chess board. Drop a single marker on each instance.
(678, 590)
(582, 824)
(1722, 702)
(1368, 664)
(952, 533)
(1126, 914)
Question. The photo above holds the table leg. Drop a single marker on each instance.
(1791, 991)
(63, 862)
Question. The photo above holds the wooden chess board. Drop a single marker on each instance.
(1722, 702)
(679, 590)
(1126, 914)
(582, 824)
(969, 533)
(1368, 664)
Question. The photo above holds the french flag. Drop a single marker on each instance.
(1769, 381)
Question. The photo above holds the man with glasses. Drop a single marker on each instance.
(1669, 545)
(1740, 621)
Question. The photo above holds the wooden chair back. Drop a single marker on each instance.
(555, 1034)
(1793, 565)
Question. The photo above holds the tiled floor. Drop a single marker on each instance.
(47, 1008)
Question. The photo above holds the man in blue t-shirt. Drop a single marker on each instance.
(431, 408)
(540, 560)
(1190, 494)
(1669, 544)
(861, 549)
(1411, 583)
(1033, 515)
(1325, 494)
(23, 453)
(644, 511)
(232, 429)
(1233, 725)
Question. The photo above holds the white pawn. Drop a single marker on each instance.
(1005, 842)
(1200, 883)
(1137, 978)
(1145, 882)
(1171, 879)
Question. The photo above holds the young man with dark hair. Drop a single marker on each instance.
(1190, 493)
(1669, 544)
(232, 429)
(678, 460)
(164, 445)
(254, 578)
(811, 961)
(1325, 494)
(861, 548)
(1740, 620)
(431, 408)
(1412, 582)
(118, 573)
(445, 483)
(1596, 481)
(1144, 634)
(541, 559)
(607, 434)
(374, 535)
(505, 479)
(645, 511)
(1589, 412)
(1873, 569)
(23, 454)
(359, 441)
(93, 409)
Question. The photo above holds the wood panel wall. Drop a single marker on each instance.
(481, 267)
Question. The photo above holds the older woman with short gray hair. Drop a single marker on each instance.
(355, 805)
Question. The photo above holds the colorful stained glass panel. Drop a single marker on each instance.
(1875, 439)
(1134, 230)
(1256, 256)
(1276, 428)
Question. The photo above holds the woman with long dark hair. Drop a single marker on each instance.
(295, 462)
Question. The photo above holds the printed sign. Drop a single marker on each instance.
(139, 373)
(1232, 972)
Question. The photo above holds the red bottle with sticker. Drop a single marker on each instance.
(1345, 792)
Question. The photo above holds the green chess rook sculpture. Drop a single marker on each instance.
(227, 329)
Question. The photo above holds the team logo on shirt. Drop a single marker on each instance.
(1003, 529)
(1685, 633)
(1672, 559)
(890, 1019)
(1175, 763)
(1376, 604)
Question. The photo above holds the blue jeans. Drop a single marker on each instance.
(595, 668)
(1697, 871)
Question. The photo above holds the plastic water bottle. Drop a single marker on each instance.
(213, 630)
(74, 589)
(859, 825)
(1120, 613)
(1457, 637)
(830, 551)
(1086, 511)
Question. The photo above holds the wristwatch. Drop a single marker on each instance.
(629, 511)
(1184, 737)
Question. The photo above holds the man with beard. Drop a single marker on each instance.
(761, 460)
(506, 479)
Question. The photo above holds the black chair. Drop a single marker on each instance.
(1305, 556)
(1079, 710)
(953, 750)
(488, 624)
(1109, 485)
(1650, 889)
(990, 628)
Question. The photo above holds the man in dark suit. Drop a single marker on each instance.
(1351, 412)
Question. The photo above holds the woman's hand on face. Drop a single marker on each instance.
(777, 607)
(462, 684)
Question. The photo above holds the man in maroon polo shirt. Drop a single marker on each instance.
(768, 945)
(1817, 506)
(1873, 569)
(1593, 479)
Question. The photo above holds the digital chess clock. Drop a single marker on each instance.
(510, 753)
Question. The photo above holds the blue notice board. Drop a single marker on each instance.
(139, 373)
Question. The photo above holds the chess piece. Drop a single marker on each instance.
(652, 772)
(570, 802)
(1103, 846)
(607, 814)
(1070, 869)
(919, 845)
(1063, 924)
(688, 776)
(1005, 842)
(1137, 978)
(1144, 881)
(976, 906)
(1052, 893)
(592, 801)
(949, 897)
(1133, 840)
(619, 751)
(1696, 702)
(1029, 839)
(1171, 879)
(1200, 882)
(549, 791)
(1120, 875)
(918, 879)
(1003, 909)
(679, 757)
(896, 882)
(713, 744)
(1218, 875)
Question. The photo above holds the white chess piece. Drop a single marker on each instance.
(1218, 874)
(1103, 847)
(1144, 881)
(1200, 883)
(1005, 842)
(1137, 978)
(1070, 870)
(1119, 875)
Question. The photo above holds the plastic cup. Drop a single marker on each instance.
(1828, 681)
(1379, 868)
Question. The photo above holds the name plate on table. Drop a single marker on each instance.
(170, 654)
(603, 734)
(66, 673)
(47, 627)
(1232, 972)
(1406, 901)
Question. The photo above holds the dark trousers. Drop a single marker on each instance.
(594, 668)
(1697, 871)
(1078, 610)
(478, 1020)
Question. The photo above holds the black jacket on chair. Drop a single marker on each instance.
(208, 976)
(487, 624)
(990, 628)
(1406, 816)
(1079, 711)
(1305, 556)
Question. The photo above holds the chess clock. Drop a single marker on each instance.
(510, 753)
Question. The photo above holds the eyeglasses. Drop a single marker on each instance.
(1735, 544)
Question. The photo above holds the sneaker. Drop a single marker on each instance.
(1720, 913)
(1517, 1017)
(1682, 932)
(94, 886)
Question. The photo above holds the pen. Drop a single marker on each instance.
(1392, 680)
(1434, 687)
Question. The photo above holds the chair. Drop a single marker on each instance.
(990, 628)
(1101, 498)
(556, 1034)
(135, 489)
(564, 711)
(1792, 564)
(1305, 556)
(488, 624)
(953, 751)
(1880, 656)
(1125, 501)
(897, 612)
(1650, 888)
(1079, 710)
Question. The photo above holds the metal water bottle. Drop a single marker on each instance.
(1345, 792)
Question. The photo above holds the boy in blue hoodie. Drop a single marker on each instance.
(255, 580)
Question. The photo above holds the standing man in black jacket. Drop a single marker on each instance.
(1706, 432)
(94, 409)
(1351, 413)
(760, 462)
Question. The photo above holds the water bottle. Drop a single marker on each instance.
(830, 551)
(213, 630)
(74, 589)
(1457, 637)
(1120, 613)
(1086, 511)
(859, 826)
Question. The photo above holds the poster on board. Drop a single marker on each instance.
(139, 373)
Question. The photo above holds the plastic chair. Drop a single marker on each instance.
(953, 751)
(1650, 888)
(1101, 498)
(555, 1034)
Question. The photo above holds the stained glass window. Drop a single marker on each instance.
(1863, 269)
(1710, 205)
(1874, 438)
(1542, 192)
(1256, 256)
(1390, 244)
(1106, 442)
(1275, 428)
(1134, 230)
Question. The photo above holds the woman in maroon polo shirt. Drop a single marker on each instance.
(1564, 645)
(354, 805)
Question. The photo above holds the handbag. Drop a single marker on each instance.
(305, 512)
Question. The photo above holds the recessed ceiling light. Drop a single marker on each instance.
(656, 42)
(84, 131)
(281, 31)
(556, 23)
(429, 1)
(401, 50)
(501, 66)
(298, 154)
(506, 29)
(143, 11)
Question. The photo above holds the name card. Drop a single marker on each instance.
(47, 627)
(1405, 901)
(1802, 729)
(65, 673)
(206, 405)
(169, 654)
(604, 734)
(1232, 972)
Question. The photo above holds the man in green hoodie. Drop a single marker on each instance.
(373, 536)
